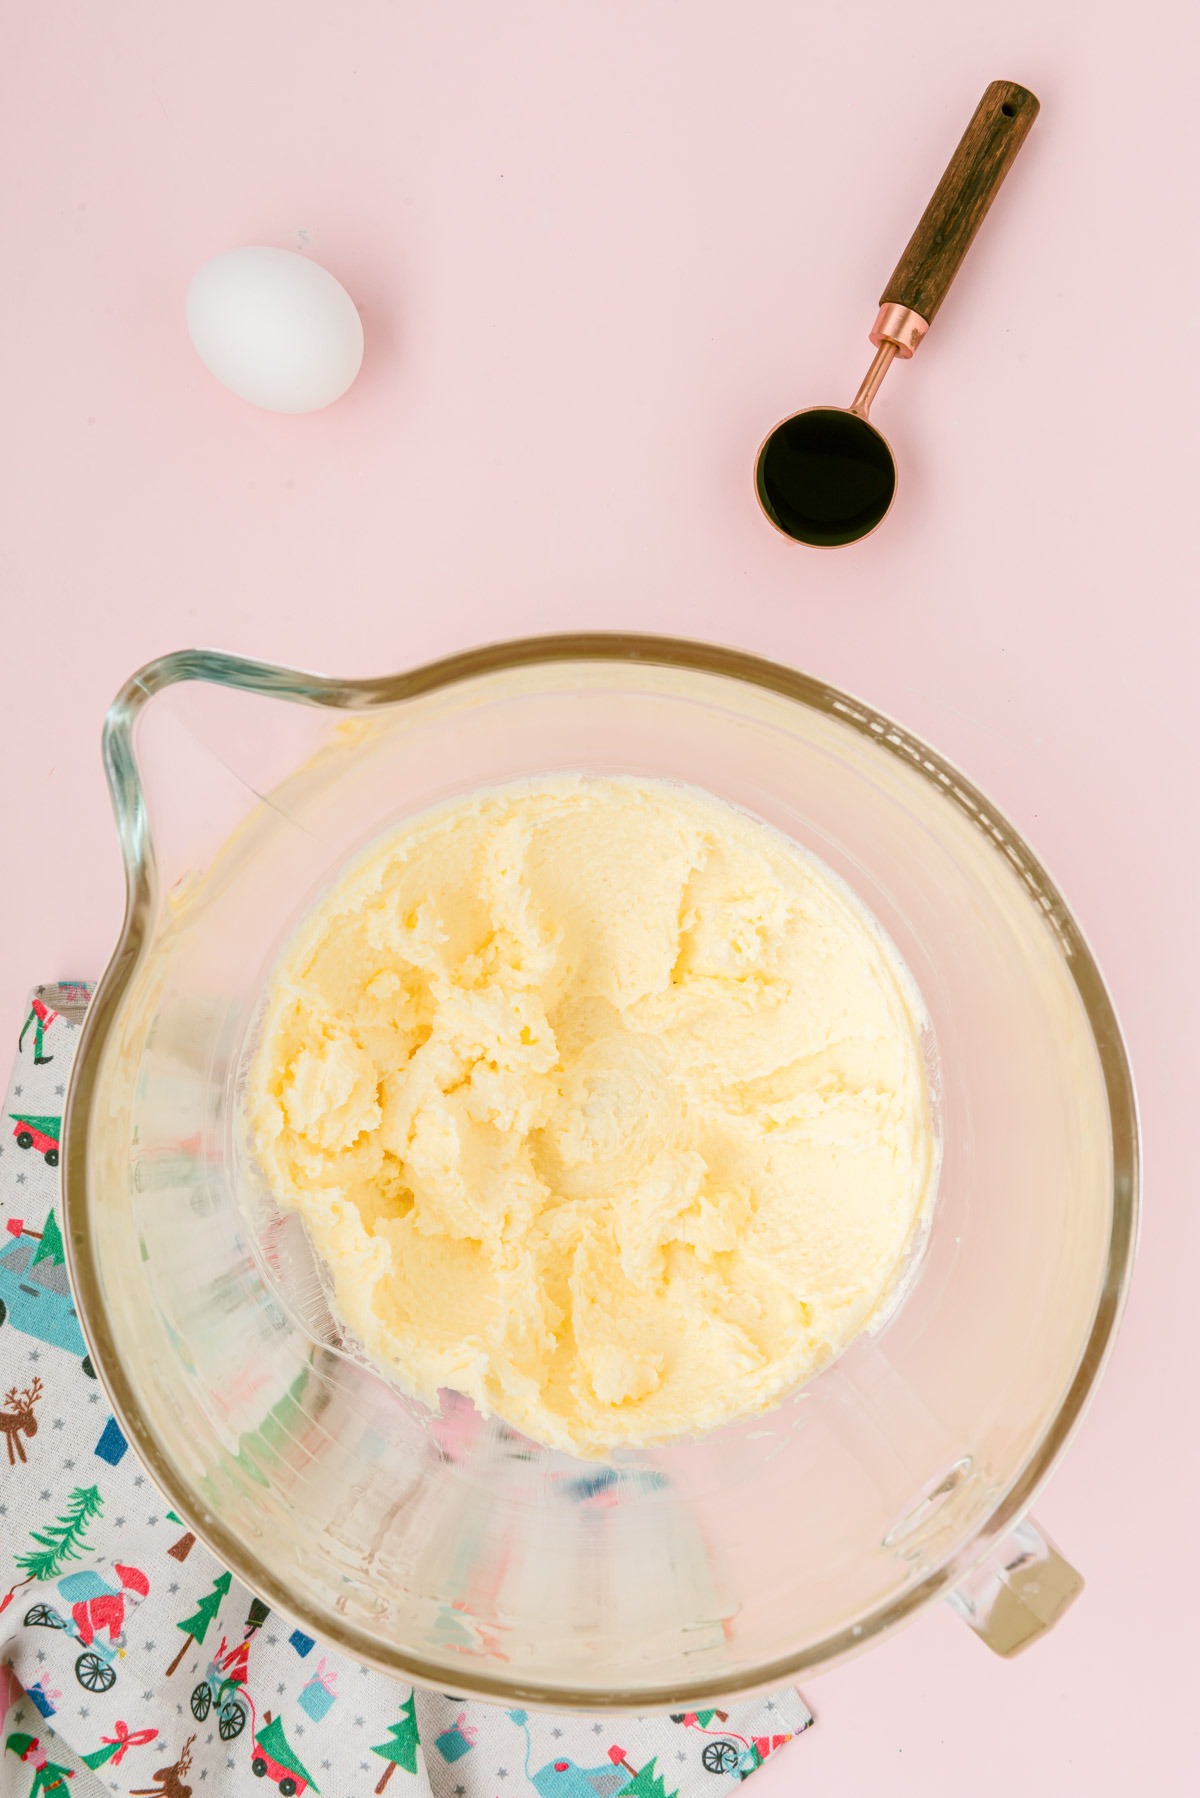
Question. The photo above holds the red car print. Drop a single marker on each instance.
(40, 1133)
(274, 1758)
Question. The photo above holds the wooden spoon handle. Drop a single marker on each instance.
(921, 279)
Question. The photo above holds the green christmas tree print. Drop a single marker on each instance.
(195, 1627)
(647, 1784)
(259, 1450)
(115, 1748)
(100, 1755)
(401, 1751)
(182, 1549)
(62, 1540)
(50, 1248)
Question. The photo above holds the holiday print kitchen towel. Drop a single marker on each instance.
(132, 1662)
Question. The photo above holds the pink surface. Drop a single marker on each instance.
(598, 251)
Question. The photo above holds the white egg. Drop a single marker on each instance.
(275, 328)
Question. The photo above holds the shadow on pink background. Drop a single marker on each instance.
(598, 251)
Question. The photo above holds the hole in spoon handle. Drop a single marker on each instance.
(921, 279)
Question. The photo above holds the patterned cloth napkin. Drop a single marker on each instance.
(163, 1674)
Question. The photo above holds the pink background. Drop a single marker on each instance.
(599, 249)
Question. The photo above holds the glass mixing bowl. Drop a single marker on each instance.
(449, 1549)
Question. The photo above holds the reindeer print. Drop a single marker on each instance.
(170, 1779)
(18, 1419)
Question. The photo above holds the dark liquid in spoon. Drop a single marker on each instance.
(825, 476)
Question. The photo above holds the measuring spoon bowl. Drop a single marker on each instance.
(825, 476)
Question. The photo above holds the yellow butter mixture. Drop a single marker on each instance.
(603, 1103)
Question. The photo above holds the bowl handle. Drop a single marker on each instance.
(1020, 1590)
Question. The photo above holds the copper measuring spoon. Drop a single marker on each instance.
(825, 475)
